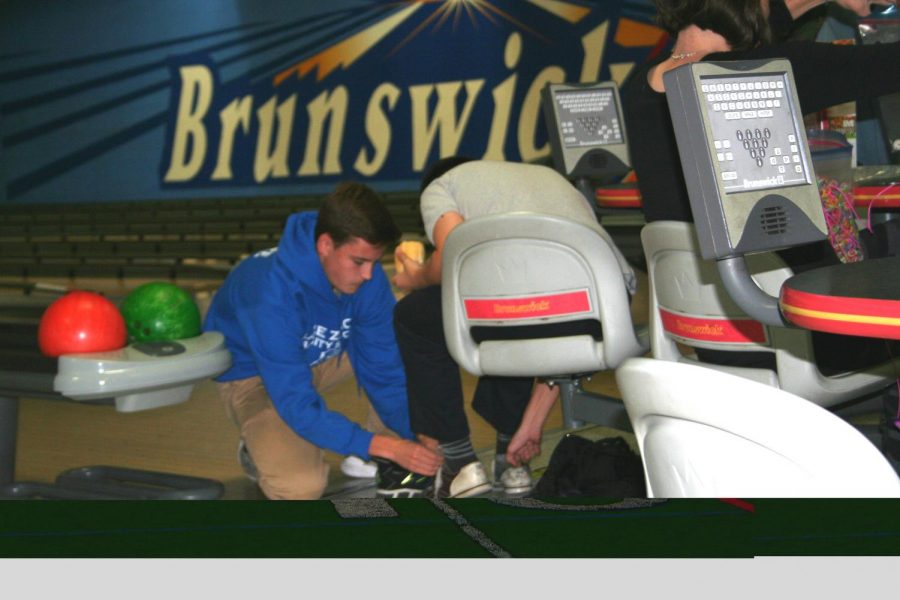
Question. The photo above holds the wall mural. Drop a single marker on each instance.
(165, 99)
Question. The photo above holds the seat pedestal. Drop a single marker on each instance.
(580, 406)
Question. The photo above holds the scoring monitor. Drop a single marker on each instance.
(586, 130)
(745, 156)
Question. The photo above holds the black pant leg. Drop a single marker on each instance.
(433, 381)
(502, 401)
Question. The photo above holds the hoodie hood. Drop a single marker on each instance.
(297, 261)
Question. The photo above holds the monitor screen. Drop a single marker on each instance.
(755, 143)
(588, 117)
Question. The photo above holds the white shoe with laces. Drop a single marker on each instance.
(513, 480)
(470, 480)
(354, 466)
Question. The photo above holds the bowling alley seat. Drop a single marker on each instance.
(536, 295)
(134, 378)
(696, 441)
(689, 307)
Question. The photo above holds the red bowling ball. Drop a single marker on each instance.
(81, 322)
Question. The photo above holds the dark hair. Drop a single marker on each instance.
(354, 210)
(439, 167)
(741, 22)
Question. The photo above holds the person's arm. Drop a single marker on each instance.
(275, 337)
(798, 7)
(526, 442)
(784, 13)
(863, 8)
(830, 74)
(379, 370)
(416, 275)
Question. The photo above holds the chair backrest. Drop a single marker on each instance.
(528, 294)
(689, 306)
(705, 433)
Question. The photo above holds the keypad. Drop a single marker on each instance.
(753, 137)
(588, 118)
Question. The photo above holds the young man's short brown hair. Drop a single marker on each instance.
(354, 210)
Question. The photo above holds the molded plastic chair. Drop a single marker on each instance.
(705, 433)
(528, 294)
(690, 306)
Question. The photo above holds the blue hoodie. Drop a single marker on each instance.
(280, 317)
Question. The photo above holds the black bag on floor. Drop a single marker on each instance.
(606, 468)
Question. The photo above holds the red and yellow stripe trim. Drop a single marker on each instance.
(848, 316)
(876, 196)
(619, 197)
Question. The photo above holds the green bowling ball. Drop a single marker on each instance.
(160, 311)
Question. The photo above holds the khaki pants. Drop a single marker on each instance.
(290, 468)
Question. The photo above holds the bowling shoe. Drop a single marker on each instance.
(513, 481)
(470, 480)
(393, 481)
(354, 466)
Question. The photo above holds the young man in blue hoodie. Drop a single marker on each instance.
(296, 319)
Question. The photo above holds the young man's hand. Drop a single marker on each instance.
(407, 453)
(524, 445)
(428, 442)
(409, 277)
(526, 442)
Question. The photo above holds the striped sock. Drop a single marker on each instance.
(458, 454)
(502, 443)
(500, 463)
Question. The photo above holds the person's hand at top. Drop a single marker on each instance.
(863, 8)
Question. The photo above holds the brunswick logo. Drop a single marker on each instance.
(346, 110)
(704, 330)
(713, 329)
(519, 309)
(551, 305)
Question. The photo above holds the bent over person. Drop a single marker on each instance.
(301, 317)
(455, 189)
